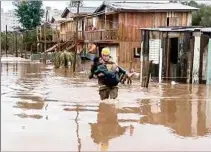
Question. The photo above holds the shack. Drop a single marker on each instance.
(181, 52)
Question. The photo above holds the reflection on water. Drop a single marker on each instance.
(186, 118)
(27, 105)
(57, 108)
(107, 126)
(36, 116)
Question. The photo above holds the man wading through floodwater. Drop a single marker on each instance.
(108, 74)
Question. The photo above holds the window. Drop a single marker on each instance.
(172, 19)
(167, 21)
(137, 52)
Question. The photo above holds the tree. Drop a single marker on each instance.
(202, 17)
(74, 3)
(29, 13)
(11, 41)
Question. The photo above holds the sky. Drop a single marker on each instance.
(7, 5)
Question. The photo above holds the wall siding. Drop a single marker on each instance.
(129, 23)
(129, 34)
(125, 55)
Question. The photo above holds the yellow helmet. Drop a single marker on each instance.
(105, 51)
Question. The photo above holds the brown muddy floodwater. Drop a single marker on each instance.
(45, 109)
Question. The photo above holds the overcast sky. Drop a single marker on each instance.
(7, 5)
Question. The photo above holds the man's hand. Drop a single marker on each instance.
(100, 74)
(115, 68)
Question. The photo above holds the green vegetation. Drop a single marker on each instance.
(29, 13)
(202, 17)
(11, 42)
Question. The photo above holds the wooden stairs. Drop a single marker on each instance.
(68, 45)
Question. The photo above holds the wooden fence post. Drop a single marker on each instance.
(208, 82)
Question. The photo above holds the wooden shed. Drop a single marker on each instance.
(181, 52)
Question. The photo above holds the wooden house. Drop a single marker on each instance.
(55, 24)
(177, 53)
(116, 25)
(68, 27)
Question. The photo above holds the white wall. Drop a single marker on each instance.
(113, 50)
(95, 21)
(80, 25)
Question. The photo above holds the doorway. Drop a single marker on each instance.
(100, 50)
(173, 59)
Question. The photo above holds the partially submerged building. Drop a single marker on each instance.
(116, 25)
(178, 53)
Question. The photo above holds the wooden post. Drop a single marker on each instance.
(16, 44)
(146, 64)
(40, 39)
(208, 82)
(105, 22)
(76, 36)
(160, 65)
(58, 37)
(141, 62)
(190, 60)
(13, 43)
(196, 58)
(31, 48)
(21, 51)
(6, 41)
(37, 33)
(24, 48)
(44, 55)
(149, 71)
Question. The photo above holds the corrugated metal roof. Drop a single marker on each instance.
(58, 18)
(147, 6)
(82, 10)
(179, 29)
(206, 30)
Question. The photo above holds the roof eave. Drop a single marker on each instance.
(155, 10)
(64, 12)
(98, 8)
